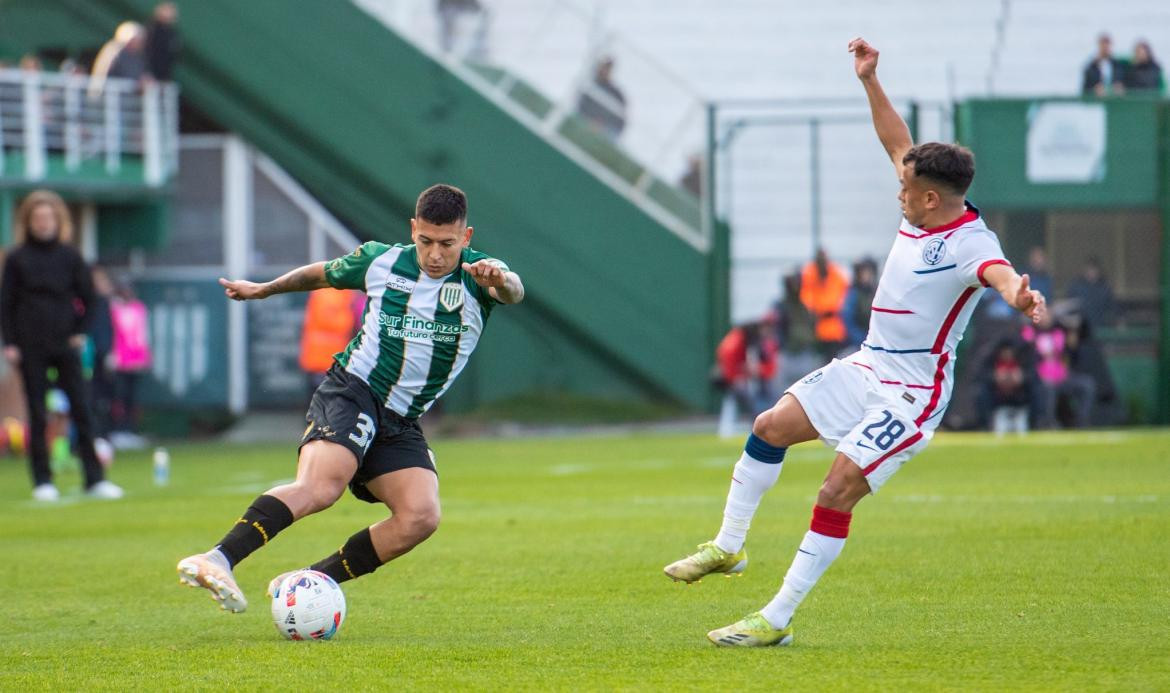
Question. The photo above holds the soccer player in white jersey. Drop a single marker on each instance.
(427, 304)
(879, 406)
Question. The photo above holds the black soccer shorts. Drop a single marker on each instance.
(345, 411)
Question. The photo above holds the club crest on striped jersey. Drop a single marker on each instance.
(451, 296)
(934, 251)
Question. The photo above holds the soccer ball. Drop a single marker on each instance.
(308, 605)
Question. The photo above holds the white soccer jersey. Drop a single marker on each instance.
(932, 281)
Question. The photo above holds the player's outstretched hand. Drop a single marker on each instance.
(1030, 302)
(240, 290)
(486, 274)
(865, 58)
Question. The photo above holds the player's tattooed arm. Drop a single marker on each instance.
(891, 129)
(1016, 290)
(304, 278)
(503, 286)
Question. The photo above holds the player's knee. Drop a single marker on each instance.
(772, 427)
(765, 428)
(325, 494)
(841, 492)
(421, 522)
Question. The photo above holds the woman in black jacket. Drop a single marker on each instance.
(1144, 73)
(46, 300)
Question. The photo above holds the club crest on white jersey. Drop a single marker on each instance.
(934, 251)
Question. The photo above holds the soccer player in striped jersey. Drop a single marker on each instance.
(428, 303)
(879, 406)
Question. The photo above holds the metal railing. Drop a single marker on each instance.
(794, 175)
(542, 68)
(90, 126)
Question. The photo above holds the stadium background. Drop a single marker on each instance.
(286, 148)
(297, 128)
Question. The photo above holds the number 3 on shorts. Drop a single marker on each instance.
(885, 432)
(365, 427)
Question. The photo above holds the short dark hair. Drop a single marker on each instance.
(949, 165)
(441, 205)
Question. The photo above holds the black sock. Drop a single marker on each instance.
(353, 560)
(263, 520)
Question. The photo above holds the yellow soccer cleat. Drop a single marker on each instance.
(201, 571)
(753, 631)
(708, 559)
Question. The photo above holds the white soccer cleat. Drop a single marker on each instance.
(201, 571)
(105, 490)
(46, 493)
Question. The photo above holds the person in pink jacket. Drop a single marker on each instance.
(131, 356)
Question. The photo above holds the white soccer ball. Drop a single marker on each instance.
(308, 605)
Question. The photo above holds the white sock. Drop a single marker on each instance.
(816, 553)
(750, 480)
(216, 556)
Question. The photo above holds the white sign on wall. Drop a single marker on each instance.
(1066, 143)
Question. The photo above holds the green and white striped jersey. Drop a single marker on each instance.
(417, 332)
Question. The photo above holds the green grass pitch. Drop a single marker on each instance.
(1041, 563)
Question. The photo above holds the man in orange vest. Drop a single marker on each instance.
(823, 286)
(329, 325)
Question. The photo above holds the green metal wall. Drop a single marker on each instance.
(616, 303)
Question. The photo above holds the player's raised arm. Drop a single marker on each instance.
(304, 278)
(503, 285)
(1015, 290)
(891, 129)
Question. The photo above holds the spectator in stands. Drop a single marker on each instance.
(1144, 73)
(859, 301)
(30, 63)
(1038, 271)
(1093, 295)
(796, 333)
(132, 356)
(101, 339)
(692, 178)
(822, 290)
(602, 104)
(1087, 357)
(163, 42)
(746, 359)
(1104, 75)
(123, 56)
(46, 302)
(451, 14)
(1008, 388)
(1057, 381)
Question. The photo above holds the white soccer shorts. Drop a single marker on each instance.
(870, 423)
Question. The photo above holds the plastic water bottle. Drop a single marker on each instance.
(162, 467)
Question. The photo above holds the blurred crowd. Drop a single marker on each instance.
(141, 54)
(1022, 377)
(135, 52)
(1108, 75)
